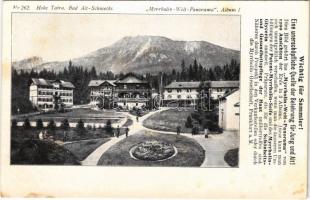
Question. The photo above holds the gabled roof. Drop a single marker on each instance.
(46, 82)
(95, 83)
(176, 85)
(228, 94)
(67, 84)
(130, 78)
(41, 81)
(221, 84)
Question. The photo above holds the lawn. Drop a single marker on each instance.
(72, 134)
(81, 149)
(168, 120)
(37, 152)
(87, 115)
(128, 122)
(190, 153)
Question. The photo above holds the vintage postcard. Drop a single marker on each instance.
(149, 97)
(104, 98)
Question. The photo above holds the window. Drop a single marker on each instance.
(179, 90)
(169, 90)
(125, 86)
(189, 96)
(188, 90)
(179, 96)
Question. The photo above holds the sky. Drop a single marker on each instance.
(59, 37)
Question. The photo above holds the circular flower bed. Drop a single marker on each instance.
(153, 150)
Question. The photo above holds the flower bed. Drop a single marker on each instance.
(153, 150)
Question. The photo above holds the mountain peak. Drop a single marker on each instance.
(148, 54)
(28, 63)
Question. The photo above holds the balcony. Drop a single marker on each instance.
(132, 90)
(131, 99)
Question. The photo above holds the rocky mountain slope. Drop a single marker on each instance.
(142, 54)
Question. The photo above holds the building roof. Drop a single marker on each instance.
(67, 84)
(94, 83)
(130, 78)
(46, 82)
(176, 85)
(228, 94)
(221, 84)
(237, 104)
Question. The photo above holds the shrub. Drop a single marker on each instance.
(108, 127)
(189, 122)
(196, 116)
(65, 124)
(80, 125)
(89, 127)
(138, 111)
(14, 123)
(232, 157)
(212, 126)
(51, 125)
(62, 108)
(39, 124)
(27, 124)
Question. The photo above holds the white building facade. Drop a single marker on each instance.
(217, 89)
(182, 94)
(45, 94)
(229, 111)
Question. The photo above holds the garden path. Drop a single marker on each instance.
(94, 157)
(215, 146)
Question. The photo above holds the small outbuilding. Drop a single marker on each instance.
(229, 110)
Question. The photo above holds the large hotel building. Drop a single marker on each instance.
(127, 92)
(46, 94)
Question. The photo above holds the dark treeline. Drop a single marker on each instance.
(80, 78)
(196, 72)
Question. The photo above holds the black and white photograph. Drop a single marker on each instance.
(125, 90)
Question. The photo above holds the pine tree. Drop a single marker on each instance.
(51, 125)
(27, 124)
(108, 127)
(65, 124)
(195, 70)
(190, 75)
(39, 124)
(189, 122)
(14, 124)
(183, 71)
